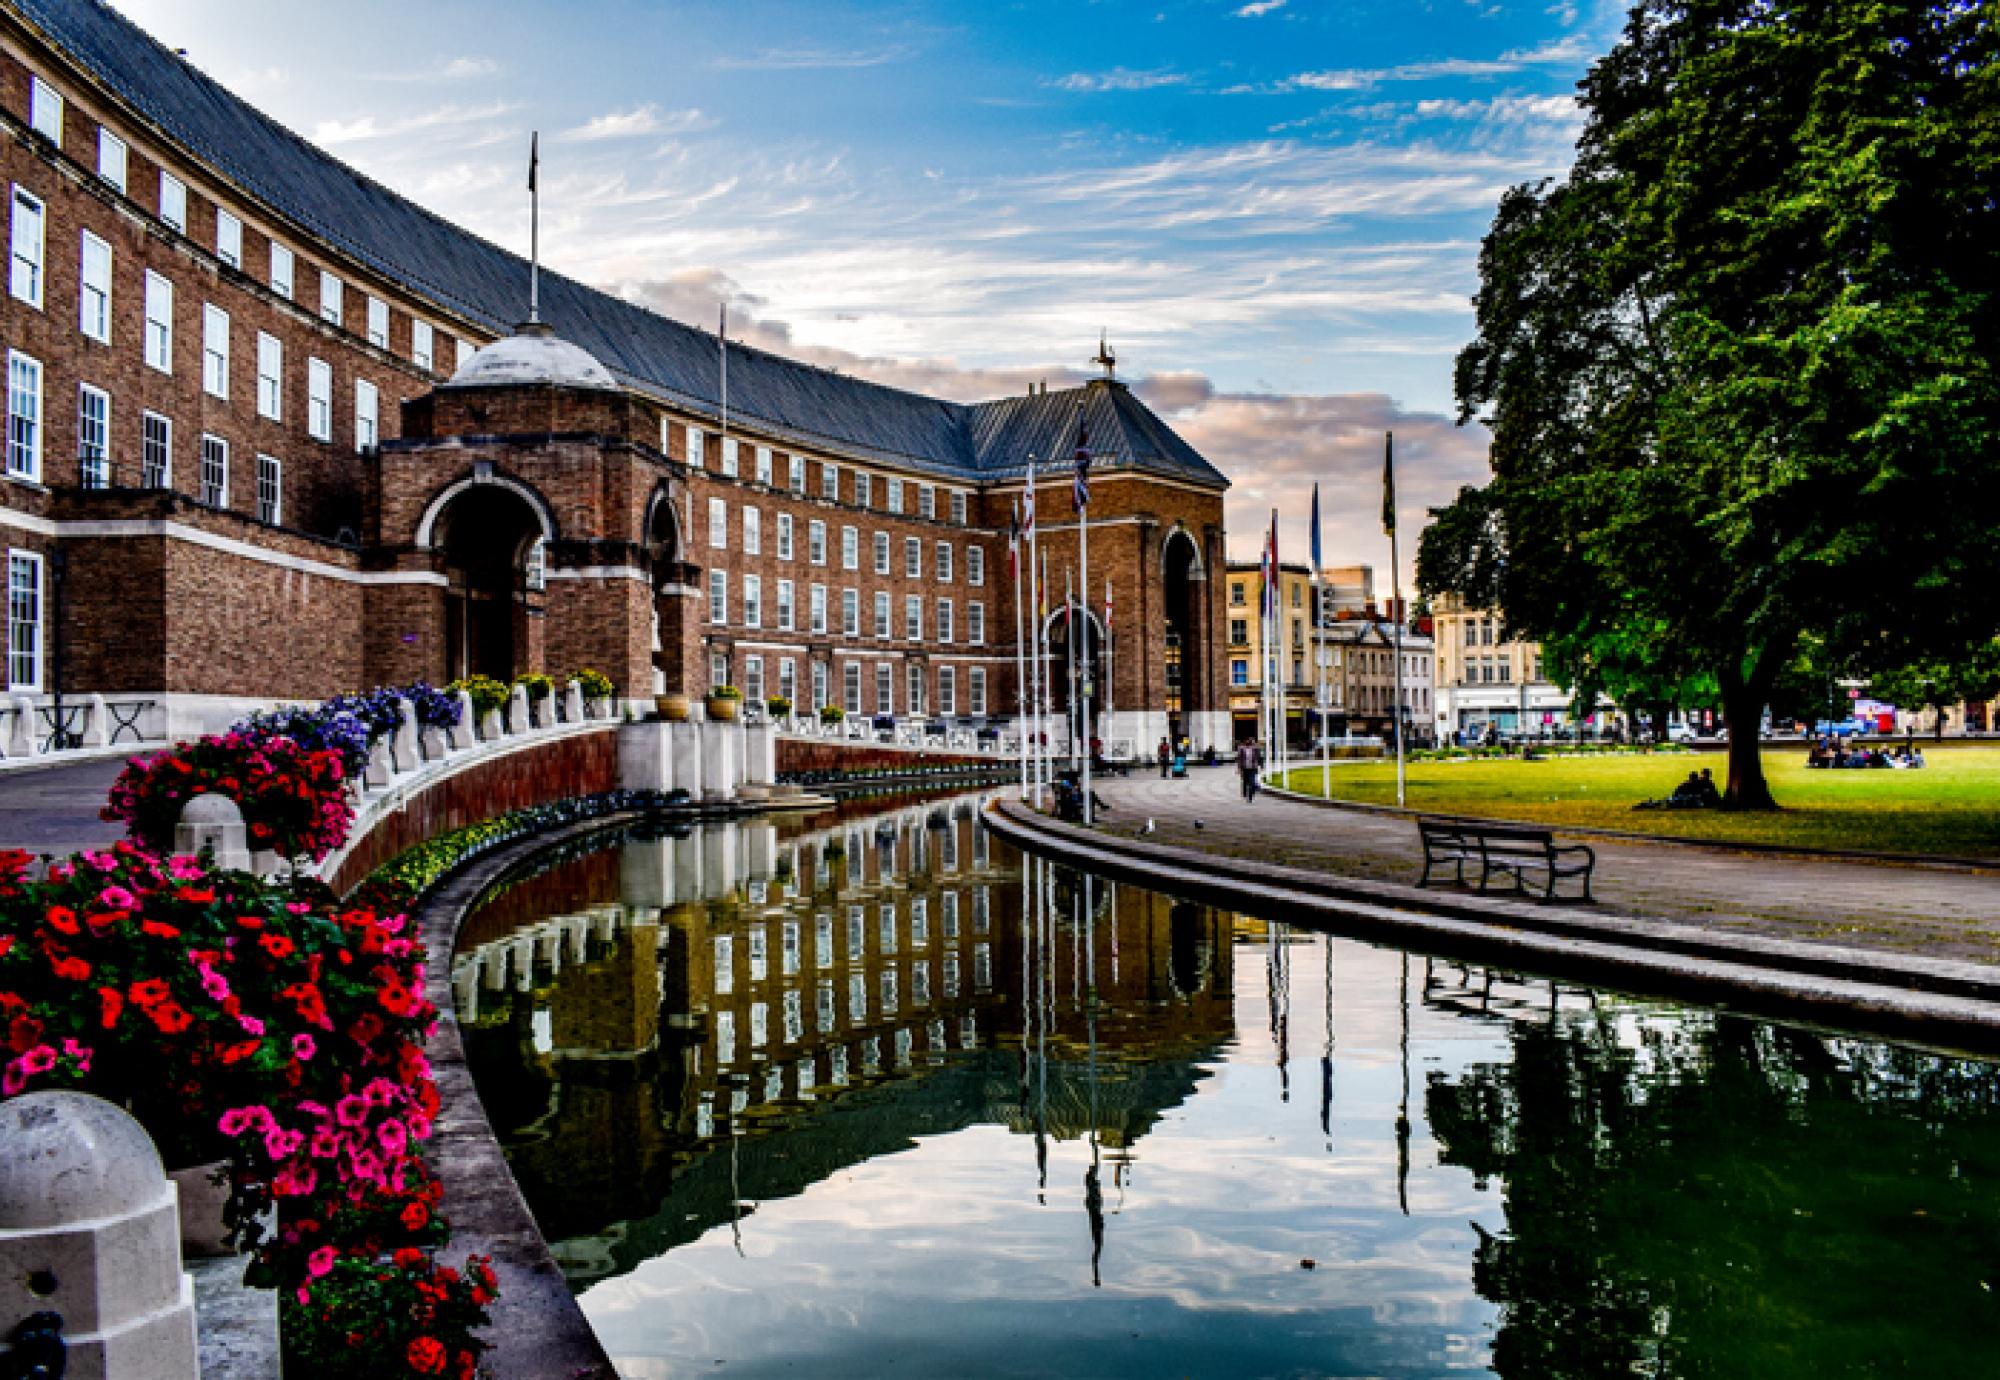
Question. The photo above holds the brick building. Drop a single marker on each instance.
(272, 432)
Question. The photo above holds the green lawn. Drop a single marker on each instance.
(1951, 806)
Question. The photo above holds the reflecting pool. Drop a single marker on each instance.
(869, 1093)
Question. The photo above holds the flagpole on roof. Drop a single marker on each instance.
(534, 228)
(722, 344)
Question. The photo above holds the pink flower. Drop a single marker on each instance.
(394, 1137)
(321, 1261)
(325, 1145)
(79, 1052)
(351, 1110)
(15, 1079)
(367, 1166)
(420, 1128)
(40, 1059)
(251, 1024)
(183, 868)
(281, 1144)
(116, 898)
(305, 1296)
(304, 1048)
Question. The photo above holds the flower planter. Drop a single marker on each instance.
(723, 708)
(675, 709)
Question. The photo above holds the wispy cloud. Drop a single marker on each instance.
(1257, 9)
(466, 68)
(1118, 79)
(366, 127)
(1562, 52)
(806, 59)
(640, 120)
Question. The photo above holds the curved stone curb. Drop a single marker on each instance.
(1939, 1002)
(1937, 861)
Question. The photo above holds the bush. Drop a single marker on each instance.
(596, 685)
(538, 686)
(317, 729)
(293, 798)
(488, 695)
(831, 713)
(725, 692)
(778, 706)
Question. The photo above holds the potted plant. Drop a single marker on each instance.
(723, 701)
(779, 707)
(674, 708)
(831, 713)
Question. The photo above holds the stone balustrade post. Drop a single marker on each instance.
(21, 739)
(97, 723)
(461, 733)
(518, 720)
(491, 728)
(214, 821)
(403, 739)
(573, 702)
(90, 1232)
(380, 769)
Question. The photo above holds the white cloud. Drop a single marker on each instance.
(640, 120)
(1118, 79)
(365, 128)
(1571, 50)
(1257, 9)
(807, 59)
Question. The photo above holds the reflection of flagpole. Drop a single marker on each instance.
(1041, 1030)
(1403, 1109)
(1326, 1050)
(1093, 1188)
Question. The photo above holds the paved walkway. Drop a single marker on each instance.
(1939, 912)
(54, 809)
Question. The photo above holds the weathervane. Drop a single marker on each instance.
(1105, 358)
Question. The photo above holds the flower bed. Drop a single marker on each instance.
(294, 797)
(420, 868)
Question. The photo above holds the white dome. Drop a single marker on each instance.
(534, 355)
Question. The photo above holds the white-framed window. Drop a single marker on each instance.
(697, 447)
(816, 609)
(367, 417)
(45, 110)
(784, 536)
(864, 485)
(24, 416)
(816, 542)
(24, 621)
(214, 350)
(423, 345)
(25, 228)
(850, 613)
(753, 690)
(214, 471)
(913, 558)
(944, 620)
(850, 687)
(947, 701)
(788, 679)
(156, 451)
(753, 531)
(535, 572)
(957, 508)
(319, 399)
(798, 472)
(915, 688)
(730, 466)
(819, 687)
(159, 322)
(975, 624)
(913, 617)
(111, 160)
(884, 615)
(378, 323)
(284, 269)
(93, 297)
(944, 562)
(764, 465)
(753, 602)
(718, 670)
(975, 690)
(893, 498)
(228, 238)
(270, 377)
(829, 480)
(850, 548)
(332, 298)
(270, 490)
(786, 618)
(975, 565)
(174, 202)
(881, 553)
(93, 437)
(718, 597)
(718, 524)
(927, 502)
(885, 688)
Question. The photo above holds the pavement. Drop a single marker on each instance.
(54, 809)
(1937, 911)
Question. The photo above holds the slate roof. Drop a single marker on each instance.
(802, 403)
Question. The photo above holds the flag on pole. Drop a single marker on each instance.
(1082, 493)
(1028, 505)
(1014, 542)
(1107, 606)
(1271, 570)
(534, 157)
(1388, 483)
(1315, 529)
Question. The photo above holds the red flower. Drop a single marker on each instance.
(23, 1034)
(63, 919)
(408, 1258)
(156, 930)
(397, 999)
(240, 1051)
(6, 943)
(72, 969)
(415, 1216)
(111, 1004)
(426, 1356)
(276, 945)
(170, 1018)
(149, 992)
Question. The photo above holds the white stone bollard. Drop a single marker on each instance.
(89, 1230)
(461, 734)
(431, 743)
(403, 741)
(491, 729)
(21, 742)
(517, 711)
(573, 702)
(380, 769)
(214, 821)
(97, 724)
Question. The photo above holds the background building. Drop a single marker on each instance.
(1489, 683)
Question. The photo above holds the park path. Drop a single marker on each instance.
(54, 809)
(1940, 912)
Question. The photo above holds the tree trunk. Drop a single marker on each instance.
(1660, 713)
(1743, 700)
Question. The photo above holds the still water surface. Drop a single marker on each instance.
(871, 1094)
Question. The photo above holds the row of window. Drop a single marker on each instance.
(786, 620)
(46, 115)
(917, 685)
(764, 472)
(752, 534)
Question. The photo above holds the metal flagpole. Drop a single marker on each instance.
(1069, 651)
(1110, 681)
(1020, 657)
(1080, 496)
(1396, 600)
(1320, 696)
(1048, 680)
(1033, 723)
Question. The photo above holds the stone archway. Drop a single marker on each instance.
(1089, 661)
(1182, 585)
(673, 579)
(491, 537)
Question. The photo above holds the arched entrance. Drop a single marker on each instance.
(1089, 662)
(672, 580)
(1186, 652)
(492, 540)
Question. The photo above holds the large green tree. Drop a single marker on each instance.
(1740, 364)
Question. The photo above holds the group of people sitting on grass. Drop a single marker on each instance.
(1834, 752)
(1698, 792)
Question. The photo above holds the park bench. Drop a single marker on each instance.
(1504, 850)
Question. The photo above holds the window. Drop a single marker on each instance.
(944, 562)
(819, 686)
(24, 620)
(885, 689)
(174, 202)
(697, 446)
(93, 437)
(753, 678)
(156, 451)
(975, 690)
(913, 617)
(1236, 593)
(24, 278)
(270, 377)
(45, 110)
(915, 680)
(816, 542)
(798, 474)
(111, 158)
(884, 619)
(944, 620)
(829, 481)
(718, 669)
(332, 298)
(816, 609)
(378, 323)
(850, 548)
(283, 267)
(1239, 632)
(913, 558)
(894, 496)
(927, 502)
(784, 536)
(850, 613)
(718, 524)
(1239, 672)
(718, 596)
(93, 298)
(319, 399)
(24, 416)
(764, 465)
(729, 456)
(270, 490)
(214, 350)
(365, 415)
(975, 624)
(753, 602)
(1298, 596)
(214, 471)
(753, 532)
(228, 238)
(863, 490)
(975, 565)
(850, 686)
(1472, 634)
(423, 345)
(881, 553)
(957, 509)
(784, 606)
(947, 700)
(788, 679)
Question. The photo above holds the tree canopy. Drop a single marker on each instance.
(1740, 364)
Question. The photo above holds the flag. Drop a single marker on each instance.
(1315, 529)
(534, 157)
(1107, 606)
(1014, 542)
(1028, 505)
(1082, 494)
(1388, 483)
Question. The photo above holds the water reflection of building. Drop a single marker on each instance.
(853, 985)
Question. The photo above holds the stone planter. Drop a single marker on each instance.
(204, 1197)
(675, 709)
(723, 709)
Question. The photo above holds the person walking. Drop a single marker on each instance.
(1166, 756)
(1249, 757)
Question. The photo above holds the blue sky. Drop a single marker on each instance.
(1274, 209)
